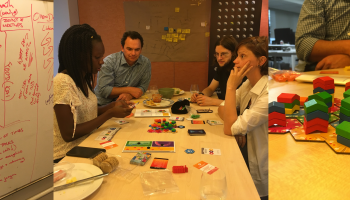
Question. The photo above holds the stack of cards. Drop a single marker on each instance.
(214, 122)
(140, 159)
(108, 134)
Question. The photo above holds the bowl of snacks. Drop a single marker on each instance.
(166, 92)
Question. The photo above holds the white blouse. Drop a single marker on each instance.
(254, 123)
(83, 109)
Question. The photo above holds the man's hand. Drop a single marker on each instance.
(194, 97)
(241, 140)
(125, 97)
(203, 100)
(135, 92)
(333, 62)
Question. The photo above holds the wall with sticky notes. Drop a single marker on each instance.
(110, 19)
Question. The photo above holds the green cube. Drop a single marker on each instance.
(345, 111)
(343, 129)
(313, 105)
(346, 94)
(346, 103)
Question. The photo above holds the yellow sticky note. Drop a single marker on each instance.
(184, 30)
(178, 30)
(182, 36)
(168, 35)
(171, 30)
(163, 37)
(207, 34)
(177, 9)
(188, 30)
(175, 40)
(170, 39)
(175, 35)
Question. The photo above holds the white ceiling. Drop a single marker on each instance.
(286, 5)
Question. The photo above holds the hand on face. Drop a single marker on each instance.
(333, 62)
(237, 75)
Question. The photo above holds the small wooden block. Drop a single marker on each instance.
(316, 127)
(326, 80)
(330, 91)
(277, 122)
(287, 98)
(344, 141)
(329, 72)
(317, 114)
(325, 87)
(343, 129)
(303, 100)
(347, 84)
(322, 96)
(313, 105)
(345, 103)
(343, 117)
(291, 105)
(277, 115)
(343, 110)
(346, 94)
(315, 121)
(276, 107)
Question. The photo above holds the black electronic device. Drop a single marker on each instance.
(84, 152)
(196, 132)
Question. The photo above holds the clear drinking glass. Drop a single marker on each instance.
(153, 89)
(213, 186)
(194, 89)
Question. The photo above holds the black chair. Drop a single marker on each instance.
(278, 60)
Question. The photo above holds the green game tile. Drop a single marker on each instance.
(313, 105)
(322, 96)
(343, 129)
(346, 103)
(346, 94)
(345, 111)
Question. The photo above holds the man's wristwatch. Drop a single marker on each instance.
(201, 93)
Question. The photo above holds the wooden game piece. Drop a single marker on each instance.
(280, 122)
(276, 107)
(303, 100)
(291, 105)
(326, 80)
(347, 86)
(325, 87)
(343, 129)
(287, 98)
(277, 115)
(315, 121)
(330, 91)
(317, 127)
(346, 94)
(313, 105)
(344, 141)
(346, 103)
(317, 114)
(329, 72)
(343, 110)
(322, 96)
(343, 117)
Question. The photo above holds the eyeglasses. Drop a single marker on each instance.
(223, 55)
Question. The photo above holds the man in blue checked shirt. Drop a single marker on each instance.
(125, 74)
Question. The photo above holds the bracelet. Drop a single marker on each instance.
(201, 93)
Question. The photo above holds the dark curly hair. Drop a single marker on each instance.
(75, 54)
(133, 35)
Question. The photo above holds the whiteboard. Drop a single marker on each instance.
(26, 92)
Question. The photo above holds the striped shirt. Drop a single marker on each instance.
(115, 72)
(321, 20)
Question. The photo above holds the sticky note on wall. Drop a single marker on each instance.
(178, 30)
(168, 35)
(174, 39)
(171, 30)
(175, 35)
(177, 9)
(207, 34)
(163, 37)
